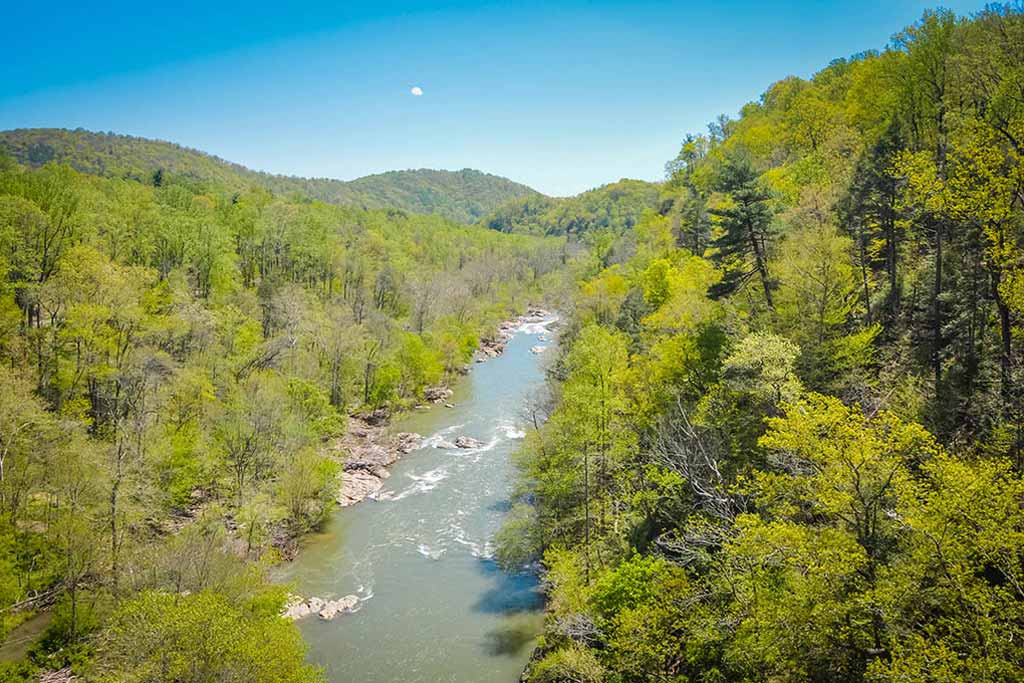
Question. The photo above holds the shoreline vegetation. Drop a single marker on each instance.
(178, 357)
(785, 441)
(369, 447)
(784, 433)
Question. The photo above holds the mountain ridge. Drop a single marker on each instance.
(465, 196)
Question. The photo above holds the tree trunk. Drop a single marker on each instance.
(937, 316)
(761, 263)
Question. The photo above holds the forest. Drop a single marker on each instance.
(783, 441)
(610, 209)
(177, 358)
(782, 438)
(463, 196)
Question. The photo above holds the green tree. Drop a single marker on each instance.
(746, 231)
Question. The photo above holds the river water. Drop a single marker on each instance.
(434, 605)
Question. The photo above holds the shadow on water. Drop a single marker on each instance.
(501, 506)
(508, 593)
(510, 639)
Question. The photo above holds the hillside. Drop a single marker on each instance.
(616, 206)
(787, 438)
(226, 336)
(464, 196)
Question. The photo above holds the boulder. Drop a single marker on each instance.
(375, 417)
(357, 485)
(296, 608)
(467, 442)
(492, 348)
(406, 442)
(333, 608)
(538, 349)
(436, 394)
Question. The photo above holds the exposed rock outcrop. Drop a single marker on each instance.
(407, 442)
(468, 442)
(300, 608)
(367, 450)
(333, 608)
(358, 485)
(437, 394)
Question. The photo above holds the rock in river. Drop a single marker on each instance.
(333, 608)
(299, 608)
(436, 394)
(406, 442)
(468, 442)
(357, 485)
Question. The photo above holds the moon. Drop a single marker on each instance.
(416, 91)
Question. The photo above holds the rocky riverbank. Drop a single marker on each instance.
(300, 608)
(368, 448)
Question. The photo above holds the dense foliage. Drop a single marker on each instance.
(464, 196)
(176, 360)
(785, 436)
(615, 207)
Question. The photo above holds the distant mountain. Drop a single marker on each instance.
(617, 206)
(465, 196)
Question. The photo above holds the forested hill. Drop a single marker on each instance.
(787, 440)
(177, 362)
(615, 207)
(464, 196)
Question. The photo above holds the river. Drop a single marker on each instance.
(434, 605)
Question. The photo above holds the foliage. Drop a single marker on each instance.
(617, 207)
(816, 477)
(180, 353)
(202, 637)
(464, 196)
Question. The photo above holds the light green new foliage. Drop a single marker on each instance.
(764, 365)
(184, 348)
(202, 637)
(570, 665)
(822, 477)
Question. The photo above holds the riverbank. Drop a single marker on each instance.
(413, 567)
(368, 448)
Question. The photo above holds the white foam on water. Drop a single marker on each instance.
(364, 593)
(536, 327)
(511, 430)
(431, 553)
(484, 551)
(479, 450)
(422, 483)
(438, 441)
(440, 438)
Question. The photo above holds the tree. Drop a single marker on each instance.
(203, 637)
(745, 222)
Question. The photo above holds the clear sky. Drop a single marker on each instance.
(562, 96)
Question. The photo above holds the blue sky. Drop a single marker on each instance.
(562, 96)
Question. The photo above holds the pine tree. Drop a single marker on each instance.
(746, 223)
